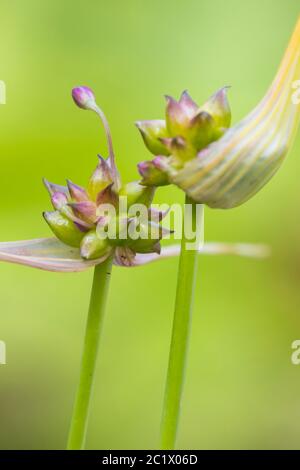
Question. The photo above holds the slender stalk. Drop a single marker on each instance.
(91, 342)
(181, 329)
(111, 152)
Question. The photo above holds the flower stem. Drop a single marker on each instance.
(181, 329)
(92, 335)
(112, 159)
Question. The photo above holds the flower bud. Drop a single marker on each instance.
(54, 188)
(231, 170)
(108, 196)
(84, 97)
(63, 228)
(77, 193)
(100, 178)
(145, 245)
(93, 247)
(179, 113)
(152, 132)
(151, 175)
(201, 130)
(59, 200)
(85, 210)
(179, 148)
(150, 233)
(137, 194)
(218, 107)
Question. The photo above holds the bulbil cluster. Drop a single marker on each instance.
(100, 219)
(186, 130)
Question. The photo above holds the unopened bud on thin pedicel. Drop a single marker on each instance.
(84, 97)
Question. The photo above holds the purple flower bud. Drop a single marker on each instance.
(85, 210)
(59, 200)
(84, 97)
(179, 114)
(161, 163)
(77, 193)
(53, 188)
(188, 104)
(108, 196)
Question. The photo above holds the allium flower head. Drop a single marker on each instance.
(186, 130)
(219, 167)
(82, 216)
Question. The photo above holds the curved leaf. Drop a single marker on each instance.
(52, 255)
(45, 253)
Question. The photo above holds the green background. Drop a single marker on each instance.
(241, 390)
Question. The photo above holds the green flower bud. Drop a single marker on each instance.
(137, 194)
(100, 178)
(218, 107)
(145, 246)
(114, 229)
(179, 114)
(149, 235)
(189, 129)
(63, 228)
(180, 148)
(93, 247)
(201, 131)
(152, 132)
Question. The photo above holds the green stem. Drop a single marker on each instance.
(92, 335)
(180, 334)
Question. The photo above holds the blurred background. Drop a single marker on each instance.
(242, 391)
